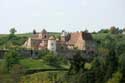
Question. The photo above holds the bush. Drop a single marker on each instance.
(52, 59)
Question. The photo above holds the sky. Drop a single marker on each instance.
(58, 15)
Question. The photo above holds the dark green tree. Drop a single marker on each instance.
(12, 31)
(34, 31)
(11, 58)
(77, 63)
(114, 30)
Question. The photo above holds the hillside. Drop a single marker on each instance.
(107, 66)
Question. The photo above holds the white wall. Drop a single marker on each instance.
(52, 45)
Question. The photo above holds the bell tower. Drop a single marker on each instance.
(43, 34)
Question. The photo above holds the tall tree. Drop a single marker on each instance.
(113, 30)
(34, 31)
(13, 31)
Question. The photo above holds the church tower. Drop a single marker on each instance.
(43, 34)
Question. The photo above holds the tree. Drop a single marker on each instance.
(122, 63)
(86, 30)
(103, 51)
(77, 63)
(11, 58)
(123, 29)
(113, 30)
(52, 59)
(12, 31)
(103, 31)
(34, 31)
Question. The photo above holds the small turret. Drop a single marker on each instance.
(63, 35)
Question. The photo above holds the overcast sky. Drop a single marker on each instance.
(55, 15)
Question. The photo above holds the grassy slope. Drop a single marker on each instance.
(36, 64)
(43, 77)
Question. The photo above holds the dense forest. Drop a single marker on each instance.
(107, 65)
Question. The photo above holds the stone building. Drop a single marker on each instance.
(37, 41)
(74, 40)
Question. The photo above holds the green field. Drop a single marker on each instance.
(36, 64)
(39, 64)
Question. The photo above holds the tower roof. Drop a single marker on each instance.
(43, 31)
(64, 33)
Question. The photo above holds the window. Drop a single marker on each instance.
(51, 44)
(45, 36)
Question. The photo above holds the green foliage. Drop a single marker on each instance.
(42, 64)
(12, 31)
(116, 78)
(112, 30)
(122, 63)
(11, 41)
(16, 73)
(44, 77)
(87, 66)
(11, 58)
(77, 63)
(42, 53)
(104, 31)
(52, 59)
(35, 64)
(106, 67)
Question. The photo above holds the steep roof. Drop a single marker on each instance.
(74, 37)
